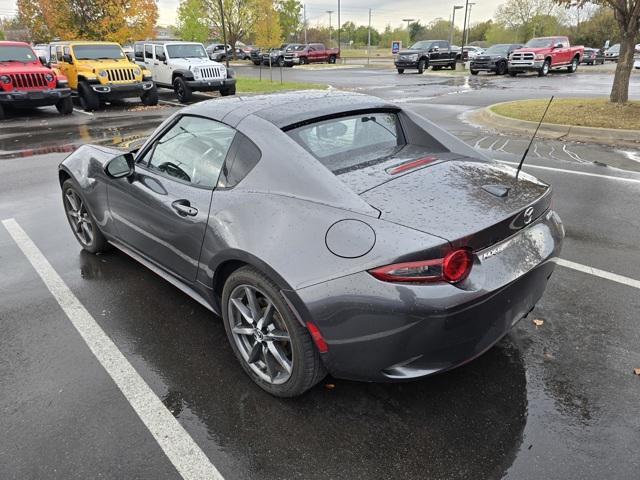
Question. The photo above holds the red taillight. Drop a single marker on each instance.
(317, 338)
(457, 265)
(453, 268)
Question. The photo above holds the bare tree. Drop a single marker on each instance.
(627, 14)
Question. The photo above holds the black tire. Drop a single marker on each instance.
(512, 73)
(452, 66)
(89, 99)
(280, 61)
(225, 92)
(422, 65)
(473, 72)
(401, 71)
(150, 97)
(332, 59)
(574, 65)
(256, 63)
(501, 68)
(544, 70)
(306, 366)
(303, 60)
(65, 106)
(183, 92)
(98, 243)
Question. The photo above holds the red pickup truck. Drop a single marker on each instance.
(544, 53)
(26, 82)
(311, 53)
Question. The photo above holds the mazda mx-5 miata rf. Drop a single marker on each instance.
(333, 232)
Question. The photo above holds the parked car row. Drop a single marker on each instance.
(290, 54)
(99, 72)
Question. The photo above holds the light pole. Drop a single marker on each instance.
(453, 22)
(329, 12)
(466, 40)
(408, 20)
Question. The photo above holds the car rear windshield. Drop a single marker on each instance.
(16, 53)
(186, 51)
(98, 52)
(346, 143)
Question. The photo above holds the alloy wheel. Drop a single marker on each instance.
(78, 217)
(260, 334)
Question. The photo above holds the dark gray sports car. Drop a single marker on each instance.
(332, 232)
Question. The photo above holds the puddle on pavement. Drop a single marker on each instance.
(122, 132)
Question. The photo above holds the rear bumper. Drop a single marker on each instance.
(115, 91)
(378, 331)
(39, 98)
(210, 85)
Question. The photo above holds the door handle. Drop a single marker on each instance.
(184, 208)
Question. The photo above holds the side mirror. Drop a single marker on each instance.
(558, 45)
(43, 60)
(67, 58)
(120, 166)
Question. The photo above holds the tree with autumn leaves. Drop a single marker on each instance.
(119, 21)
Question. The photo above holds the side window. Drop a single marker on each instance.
(66, 51)
(160, 53)
(244, 155)
(148, 51)
(443, 45)
(193, 150)
(138, 50)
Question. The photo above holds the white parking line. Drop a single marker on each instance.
(575, 172)
(614, 277)
(180, 448)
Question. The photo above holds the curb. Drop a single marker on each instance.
(606, 136)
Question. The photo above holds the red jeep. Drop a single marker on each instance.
(26, 82)
(544, 53)
(311, 53)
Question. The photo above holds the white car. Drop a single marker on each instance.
(185, 67)
(473, 52)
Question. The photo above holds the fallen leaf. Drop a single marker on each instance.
(329, 386)
(636, 371)
(538, 323)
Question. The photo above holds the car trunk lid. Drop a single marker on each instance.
(468, 202)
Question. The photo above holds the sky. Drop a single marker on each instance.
(383, 12)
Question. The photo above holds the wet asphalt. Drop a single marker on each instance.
(555, 401)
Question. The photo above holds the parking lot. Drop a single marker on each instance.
(556, 398)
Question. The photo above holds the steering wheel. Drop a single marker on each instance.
(174, 170)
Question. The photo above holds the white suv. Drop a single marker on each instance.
(185, 67)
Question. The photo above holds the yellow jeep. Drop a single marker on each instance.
(100, 71)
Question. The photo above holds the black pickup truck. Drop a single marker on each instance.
(421, 55)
